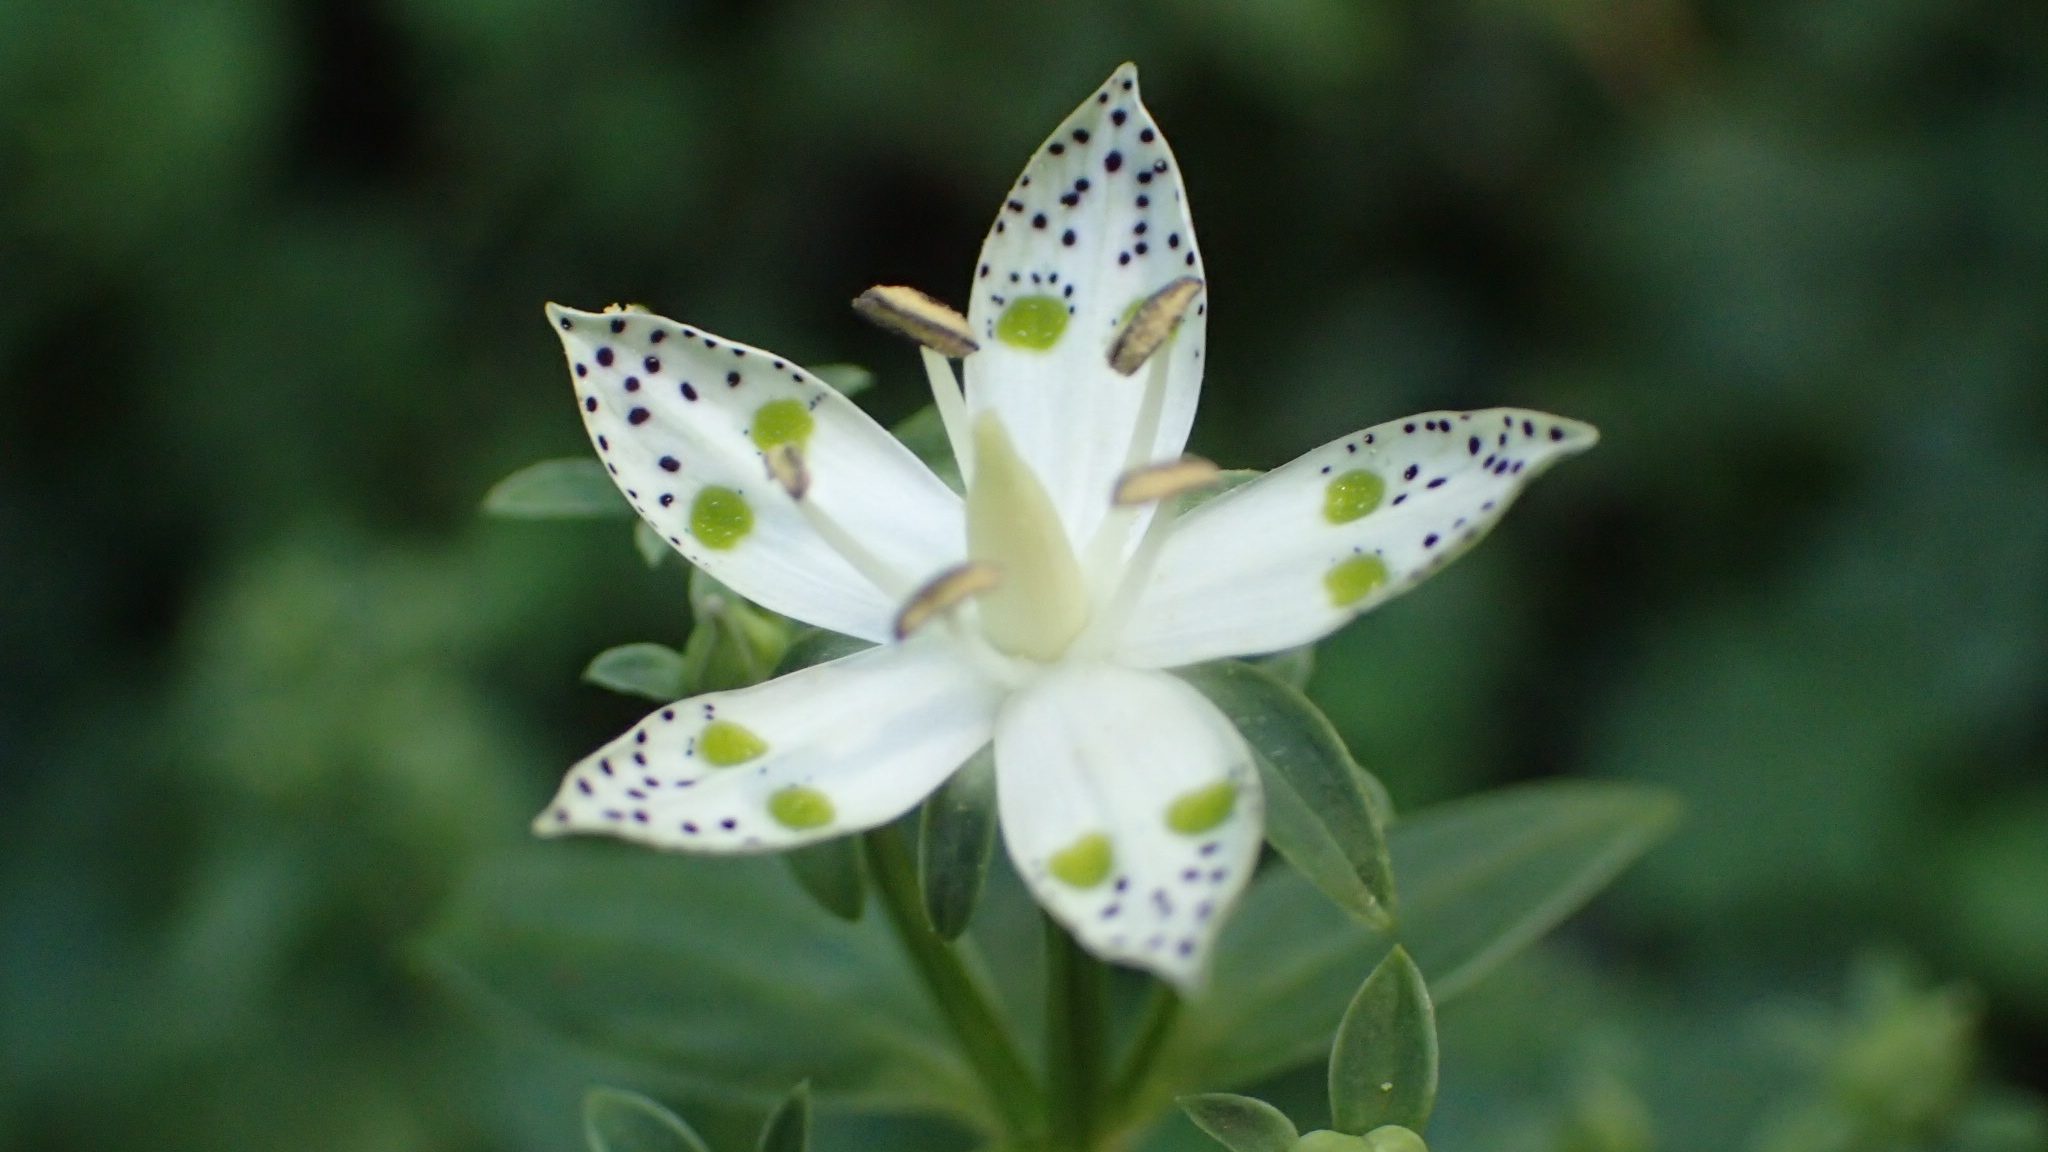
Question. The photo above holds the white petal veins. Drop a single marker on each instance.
(818, 753)
(1097, 222)
(1291, 556)
(1132, 809)
(676, 412)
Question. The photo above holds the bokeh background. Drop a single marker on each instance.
(272, 273)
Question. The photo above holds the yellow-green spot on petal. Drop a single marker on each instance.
(782, 422)
(1354, 580)
(720, 518)
(724, 744)
(1352, 496)
(800, 808)
(1204, 808)
(1033, 322)
(1084, 863)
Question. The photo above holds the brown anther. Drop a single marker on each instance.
(908, 312)
(786, 466)
(1155, 482)
(943, 593)
(1152, 324)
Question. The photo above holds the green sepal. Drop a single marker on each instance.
(615, 1120)
(1323, 813)
(1394, 1138)
(789, 1127)
(732, 643)
(1292, 667)
(654, 671)
(1241, 1123)
(1383, 1065)
(815, 646)
(848, 380)
(652, 548)
(832, 873)
(576, 488)
(956, 841)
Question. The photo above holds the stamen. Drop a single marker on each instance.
(944, 592)
(908, 312)
(786, 466)
(1151, 325)
(952, 409)
(1155, 482)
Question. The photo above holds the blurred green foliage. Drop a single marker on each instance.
(271, 688)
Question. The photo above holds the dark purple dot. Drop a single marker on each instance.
(1118, 117)
(1056, 148)
(1173, 240)
(1410, 473)
(1408, 427)
(1437, 483)
(1016, 206)
(1148, 135)
(581, 371)
(583, 786)
(618, 325)
(637, 416)
(670, 464)
(1141, 228)
(1429, 541)
(732, 379)
(984, 271)
(1557, 433)
(1080, 135)
(604, 357)
(1528, 428)
(667, 499)
(1123, 257)
(728, 823)
(710, 343)
(1038, 221)
(689, 393)
(1081, 185)
(590, 403)
(632, 383)
(1141, 249)
(1113, 161)
(603, 445)
(1144, 177)
(1070, 198)
(1144, 201)
(1472, 446)
(1067, 237)
(652, 364)
(565, 324)
(657, 336)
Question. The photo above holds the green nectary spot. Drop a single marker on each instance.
(1204, 808)
(720, 518)
(1352, 495)
(1354, 579)
(1084, 863)
(724, 744)
(800, 808)
(1033, 322)
(782, 422)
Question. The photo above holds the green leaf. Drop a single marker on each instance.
(832, 874)
(732, 643)
(847, 379)
(957, 842)
(652, 548)
(1241, 1123)
(1383, 1065)
(615, 1120)
(924, 433)
(789, 1126)
(645, 669)
(1480, 878)
(573, 489)
(1292, 667)
(1321, 811)
(715, 975)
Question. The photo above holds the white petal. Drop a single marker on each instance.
(1293, 555)
(675, 413)
(1097, 222)
(1132, 809)
(818, 753)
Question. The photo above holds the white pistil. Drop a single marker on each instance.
(952, 408)
(786, 466)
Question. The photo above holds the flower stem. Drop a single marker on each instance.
(1076, 997)
(959, 992)
(1161, 1013)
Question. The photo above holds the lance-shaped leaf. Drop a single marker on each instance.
(1480, 879)
(789, 1127)
(648, 670)
(615, 1120)
(1241, 1123)
(573, 489)
(715, 975)
(1383, 1065)
(831, 872)
(958, 840)
(1321, 807)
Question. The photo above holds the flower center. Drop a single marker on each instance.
(1042, 602)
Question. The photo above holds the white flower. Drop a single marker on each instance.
(1044, 609)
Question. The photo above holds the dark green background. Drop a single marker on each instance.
(272, 275)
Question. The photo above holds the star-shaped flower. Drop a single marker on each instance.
(1042, 611)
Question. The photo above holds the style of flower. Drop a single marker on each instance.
(1045, 608)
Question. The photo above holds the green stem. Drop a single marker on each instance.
(1076, 999)
(1161, 1013)
(959, 993)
